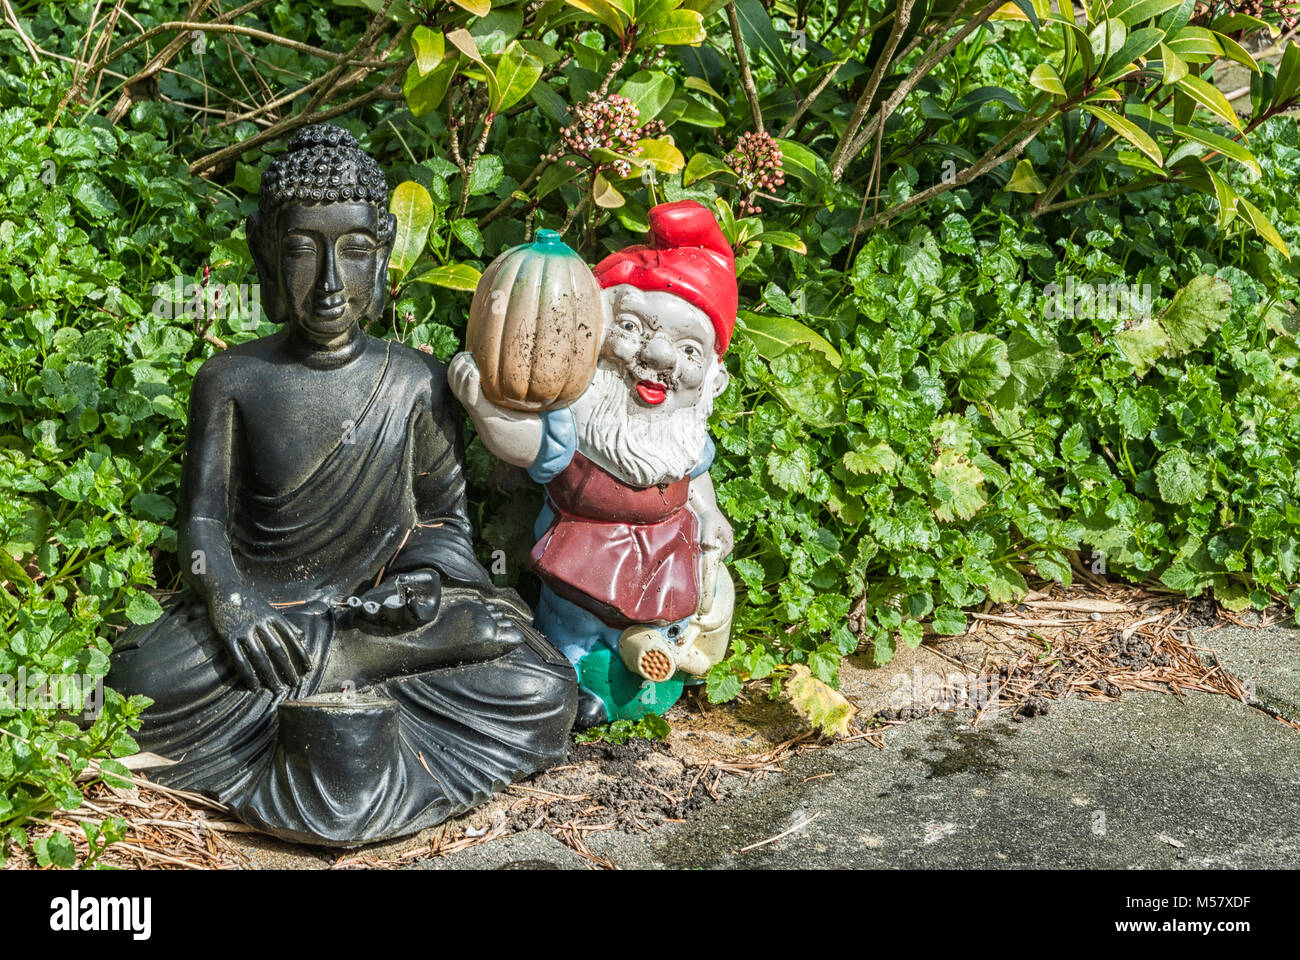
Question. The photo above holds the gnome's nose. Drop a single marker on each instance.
(658, 353)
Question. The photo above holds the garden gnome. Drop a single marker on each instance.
(630, 541)
(339, 668)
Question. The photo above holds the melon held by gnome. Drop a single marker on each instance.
(536, 325)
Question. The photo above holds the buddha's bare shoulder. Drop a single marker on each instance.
(228, 373)
(417, 363)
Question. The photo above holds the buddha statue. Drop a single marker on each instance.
(340, 668)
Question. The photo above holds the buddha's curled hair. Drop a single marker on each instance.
(323, 164)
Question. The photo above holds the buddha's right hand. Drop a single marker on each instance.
(265, 647)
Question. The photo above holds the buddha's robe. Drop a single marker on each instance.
(446, 713)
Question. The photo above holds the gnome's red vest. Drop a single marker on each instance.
(628, 554)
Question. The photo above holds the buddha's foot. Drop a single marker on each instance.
(406, 602)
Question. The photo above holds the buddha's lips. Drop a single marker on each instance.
(651, 392)
(332, 312)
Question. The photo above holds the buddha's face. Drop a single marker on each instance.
(332, 268)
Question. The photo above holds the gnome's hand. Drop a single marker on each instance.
(716, 533)
(464, 379)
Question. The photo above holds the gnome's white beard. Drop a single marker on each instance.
(640, 450)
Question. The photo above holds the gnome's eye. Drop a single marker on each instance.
(629, 323)
(692, 351)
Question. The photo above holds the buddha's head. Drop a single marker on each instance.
(322, 236)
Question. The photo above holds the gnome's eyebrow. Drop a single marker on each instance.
(630, 296)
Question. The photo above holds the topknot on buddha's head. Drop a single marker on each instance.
(324, 164)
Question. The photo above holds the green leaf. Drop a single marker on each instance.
(1033, 366)
(94, 197)
(790, 471)
(1235, 51)
(605, 194)
(958, 486)
(1175, 68)
(781, 238)
(1005, 584)
(464, 42)
(424, 94)
(453, 276)
(1209, 98)
(467, 232)
(818, 703)
(486, 175)
(1226, 198)
(429, 47)
(143, 608)
(413, 207)
(978, 361)
(1262, 225)
(663, 155)
(1045, 78)
(970, 103)
(948, 621)
(1195, 45)
(1133, 12)
(809, 384)
(722, 685)
(773, 334)
(1196, 311)
(879, 457)
(1024, 180)
(516, 72)
(1287, 86)
(1229, 148)
(1139, 44)
(1129, 130)
(1143, 345)
(1106, 38)
(1179, 479)
(650, 91)
(555, 176)
(758, 34)
(674, 28)
(800, 162)
(602, 10)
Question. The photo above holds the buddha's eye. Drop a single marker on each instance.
(358, 247)
(297, 246)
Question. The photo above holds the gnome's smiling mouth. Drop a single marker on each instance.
(651, 392)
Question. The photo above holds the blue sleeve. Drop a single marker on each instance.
(559, 444)
(706, 458)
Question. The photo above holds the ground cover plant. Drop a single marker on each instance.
(1017, 294)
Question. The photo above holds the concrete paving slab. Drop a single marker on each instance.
(530, 850)
(1149, 782)
(1266, 660)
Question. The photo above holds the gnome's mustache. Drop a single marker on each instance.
(641, 450)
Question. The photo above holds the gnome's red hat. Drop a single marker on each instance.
(688, 256)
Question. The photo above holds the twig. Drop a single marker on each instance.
(784, 833)
(742, 61)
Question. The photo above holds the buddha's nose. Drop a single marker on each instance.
(329, 281)
(658, 353)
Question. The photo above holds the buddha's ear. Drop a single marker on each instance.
(387, 233)
(260, 246)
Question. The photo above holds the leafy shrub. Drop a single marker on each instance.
(925, 407)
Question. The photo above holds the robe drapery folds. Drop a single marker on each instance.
(413, 747)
